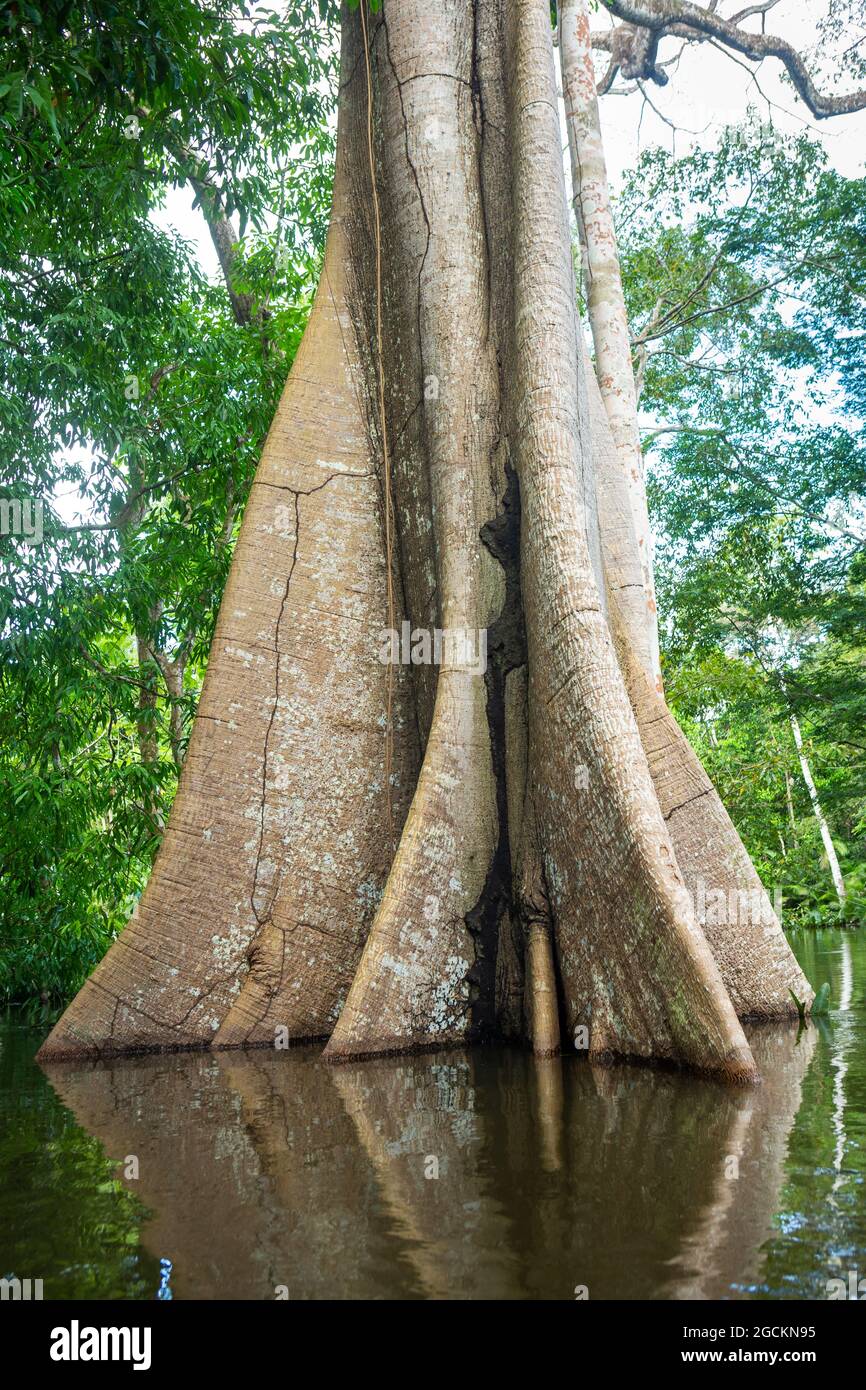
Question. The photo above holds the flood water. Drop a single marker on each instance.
(482, 1174)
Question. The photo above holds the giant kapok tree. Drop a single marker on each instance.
(506, 833)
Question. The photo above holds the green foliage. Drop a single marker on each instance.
(247, 88)
(133, 407)
(744, 270)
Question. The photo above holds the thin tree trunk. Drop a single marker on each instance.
(223, 232)
(146, 723)
(789, 802)
(147, 733)
(172, 671)
(604, 292)
(225, 238)
(826, 837)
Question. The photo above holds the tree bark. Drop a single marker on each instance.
(277, 846)
(757, 964)
(405, 856)
(604, 294)
(223, 234)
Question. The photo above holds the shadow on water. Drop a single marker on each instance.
(470, 1175)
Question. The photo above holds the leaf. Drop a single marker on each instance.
(820, 1004)
(801, 1007)
(44, 105)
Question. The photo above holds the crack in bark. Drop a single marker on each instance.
(151, 1018)
(414, 172)
(478, 120)
(297, 493)
(506, 651)
(689, 799)
(266, 919)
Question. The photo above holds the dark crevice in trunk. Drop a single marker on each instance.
(506, 651)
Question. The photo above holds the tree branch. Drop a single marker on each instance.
(759, 481)
(223, 232)
(752, 9)
(754, 293)
(662, 17)
(111, 675)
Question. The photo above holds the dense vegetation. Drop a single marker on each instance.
(137, 394)
(744, 269)
(133, 397)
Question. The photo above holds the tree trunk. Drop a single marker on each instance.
(826, 837)
(172, 672)
(789, 802)
(733, 909)
(223, 234)
(398, 856)
(604, 293)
